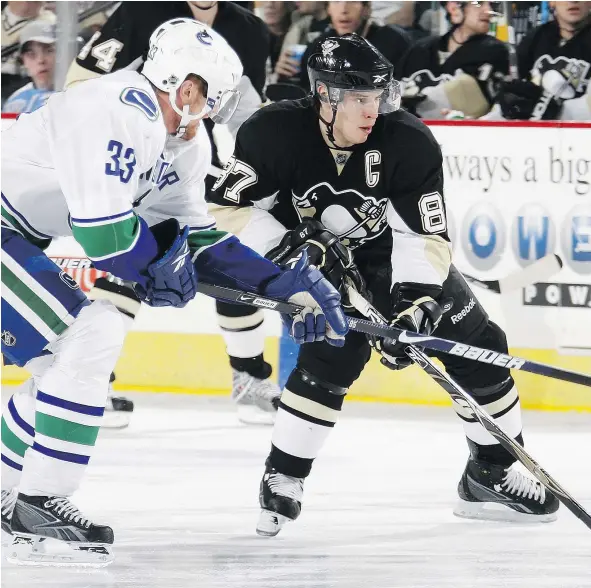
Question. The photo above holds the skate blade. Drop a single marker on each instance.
(270, 523)
(32, 550)
(6, 537)
(250, 414)
(116, 419)
(494, 511)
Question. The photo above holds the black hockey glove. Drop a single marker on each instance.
(415, 309)
(519, 99)
(325, 252)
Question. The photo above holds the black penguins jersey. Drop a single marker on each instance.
(124, 37)
(383, 198)
(561, 67)
(428, 63)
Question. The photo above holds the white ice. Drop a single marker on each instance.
(180, 488)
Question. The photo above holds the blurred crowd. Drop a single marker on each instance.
(452, 58)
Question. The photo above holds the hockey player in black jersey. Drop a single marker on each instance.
(554, 63)
(459, 71)
(121, 43)
(358, 183)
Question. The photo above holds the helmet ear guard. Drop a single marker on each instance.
(183, 47)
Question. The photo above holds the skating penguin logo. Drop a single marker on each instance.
(356, 218)
(424, 78)
(564, 77)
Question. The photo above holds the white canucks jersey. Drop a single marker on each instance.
(93, 159)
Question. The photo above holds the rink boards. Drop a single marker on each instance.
(514, 193)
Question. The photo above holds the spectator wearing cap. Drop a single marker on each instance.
(37, 53)
(15, 15)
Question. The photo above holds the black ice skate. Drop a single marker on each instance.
(117, 410)
(493, 492)
(36, 519)
(281, 501)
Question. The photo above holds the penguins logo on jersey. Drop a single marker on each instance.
(422, 79)
(353, 217)
(564, 77)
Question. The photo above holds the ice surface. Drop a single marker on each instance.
(180, 488)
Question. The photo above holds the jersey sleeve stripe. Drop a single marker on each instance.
(108, 239)
(21, 220)
(101, 220)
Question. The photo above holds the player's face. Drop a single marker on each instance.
(274, 13)
(571, 13)
(356, 115)
(477, 17)
(346, 17)
(39, 61)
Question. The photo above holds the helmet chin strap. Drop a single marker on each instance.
(330, 129)
(186, 116)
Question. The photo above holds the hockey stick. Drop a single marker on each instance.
(389, 332)
(463, 399)
(538, 271)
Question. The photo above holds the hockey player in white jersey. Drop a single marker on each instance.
(73, 168)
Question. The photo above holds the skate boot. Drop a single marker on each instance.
(38, 520)
(117, 410)
(280, 497)
(8, 500)
(494, 492)
(257, 399)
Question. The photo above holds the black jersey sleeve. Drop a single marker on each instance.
(417, 57)
(122, 39)
(253, 172)
(416, 180)
(421, 251)
(525, 54)
(255, 67)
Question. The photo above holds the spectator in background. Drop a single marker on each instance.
(459, 72)
(393, 13)
(354, 17)
(37, 52)
(15, 15)
(277, 17)
(554, 63)
(312, 22)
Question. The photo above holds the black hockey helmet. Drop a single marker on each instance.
(349, 63)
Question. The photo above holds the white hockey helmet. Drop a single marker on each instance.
(184, 46)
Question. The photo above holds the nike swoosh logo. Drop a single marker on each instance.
(409, 337)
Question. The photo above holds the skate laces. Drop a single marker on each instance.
(265, 390)
(287, 486)
(8, 501)
(253, 388)
(522, 485)
(68, 511)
